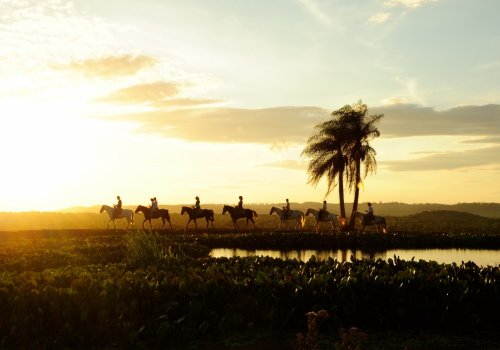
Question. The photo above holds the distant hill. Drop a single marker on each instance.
(490, 210)
(445, 221)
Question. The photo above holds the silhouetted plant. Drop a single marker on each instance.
(143, 249)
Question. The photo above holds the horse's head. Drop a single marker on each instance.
(184, 210)
(309, 211)
(225, 209)
(273, 210)
(138, 209)
(102, 209)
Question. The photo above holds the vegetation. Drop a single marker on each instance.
(342, 147)
(180, 300)
(91, 288)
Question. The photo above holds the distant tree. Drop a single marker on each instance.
(341, 148)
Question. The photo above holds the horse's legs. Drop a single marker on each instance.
(143, 223)
(331, 226)
(187, 224)
(195, 224)
(163, 222)
(235, 224)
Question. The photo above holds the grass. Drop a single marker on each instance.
(426, 222)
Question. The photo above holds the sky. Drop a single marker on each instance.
(218, 98)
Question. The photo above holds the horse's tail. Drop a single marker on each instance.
(212, 215)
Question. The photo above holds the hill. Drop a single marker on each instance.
(445, 221)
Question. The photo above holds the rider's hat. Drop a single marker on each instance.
(196, 197)
(241, 197)
(369, 203)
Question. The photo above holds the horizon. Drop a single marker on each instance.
(218, 100)
(81, 208)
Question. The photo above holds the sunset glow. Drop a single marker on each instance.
(173, 100)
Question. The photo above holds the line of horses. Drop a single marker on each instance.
(296, 216)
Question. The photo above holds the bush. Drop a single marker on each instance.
(143, 249)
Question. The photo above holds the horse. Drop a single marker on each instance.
(125, 213)
(293, 214)
(237, 213)
(360, 224)
(194, 214)
(330, 217)
(160, 213)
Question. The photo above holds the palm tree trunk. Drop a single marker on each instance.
(341, 195)
(356, 192)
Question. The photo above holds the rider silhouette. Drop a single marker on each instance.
(286, 210)
(117, 207)
(153, 207)
(369, 216)
(197, 205)
(240, 203)
(323, 211)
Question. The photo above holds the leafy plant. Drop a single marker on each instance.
(143, 249)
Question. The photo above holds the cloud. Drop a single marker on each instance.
(143, 93)
(380, 17)
(483, 140)
(411, 4)
(314, 9)
(185, 102)
(288, 164)
(159, 94)
(411, 120)
(448, 160)
(112, 66)
(294, 125)
(280, 125)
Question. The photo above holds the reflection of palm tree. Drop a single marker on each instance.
(340, 147)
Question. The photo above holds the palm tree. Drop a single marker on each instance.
(341, 148)
(327, 158)
(361, 130)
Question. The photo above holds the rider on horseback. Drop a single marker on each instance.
(197, 205)
(286, 210)
(323, 212)
(240, 204)
(369, 216)
(154, 207)
(117, 208)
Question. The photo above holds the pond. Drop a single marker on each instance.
(481, 257)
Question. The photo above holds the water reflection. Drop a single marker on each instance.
(479, 256)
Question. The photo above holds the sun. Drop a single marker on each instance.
(43, 149)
